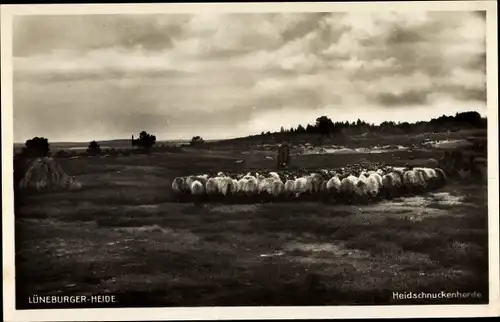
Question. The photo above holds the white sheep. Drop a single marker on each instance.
(431, 172)
(347, 185)
(323, 188)
(429, 175)
(373, 185)
(392, 184)
(310, 183)
(197, 188)
(410, 179)
(274, 175)
(421, 179)
(240, 187)
(277, 188)
(333, 185)
(226, 186)
(396, 178)
(266, 184)
(260, 177)
(361, 188)
(201, 179)
(413, 180)
(289, 187)
(380, 172)
(251, 186)
(233, 185)
(249, 176)
(179, 185)
(212, 186)
(302, 185)
(189, 180)
(316, 180)
(377, 177)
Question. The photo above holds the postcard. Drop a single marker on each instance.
(249, 160)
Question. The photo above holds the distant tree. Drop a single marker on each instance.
(263, 133)
(282, 129)
(473, 118)
(387, 126)
(324, 125)
(292, 130)
(309, 128)
(36, 147)
(146, 140)
(196, 140)
(405, 126)
(268, 133)
(94, 148)
(300, 129)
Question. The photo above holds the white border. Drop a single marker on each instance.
(236, 313)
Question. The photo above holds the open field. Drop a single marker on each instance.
(122, 234)
(82, 146)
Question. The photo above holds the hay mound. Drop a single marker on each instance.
(45, 174)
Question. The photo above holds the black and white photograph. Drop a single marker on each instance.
(300, 157)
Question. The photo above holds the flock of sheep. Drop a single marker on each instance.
(352, 184)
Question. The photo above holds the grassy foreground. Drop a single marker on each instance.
(122, 235)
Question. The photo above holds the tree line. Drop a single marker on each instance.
(40, 147)
(325, 126)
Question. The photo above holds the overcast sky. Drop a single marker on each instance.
(79, 78)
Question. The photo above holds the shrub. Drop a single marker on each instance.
(94, 148)
(196, 140)
(36, 147)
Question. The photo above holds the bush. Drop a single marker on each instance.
(94, 148)
(196, 140)
(36, 147)
(145, 141)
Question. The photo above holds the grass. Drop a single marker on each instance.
(123, 235)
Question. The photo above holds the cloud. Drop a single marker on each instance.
(226, 75)
(412, 97)
(43, 34)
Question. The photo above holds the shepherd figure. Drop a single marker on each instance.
(283, 158)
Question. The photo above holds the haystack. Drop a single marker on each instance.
(45, 174)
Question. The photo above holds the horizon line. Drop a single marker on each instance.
(260, 133)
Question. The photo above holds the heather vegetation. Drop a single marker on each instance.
(110, 221)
